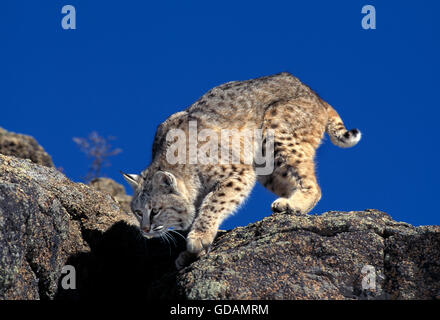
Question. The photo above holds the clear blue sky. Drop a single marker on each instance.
(131, 64)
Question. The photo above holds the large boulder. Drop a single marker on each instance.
(24, 147)
(337, 255)
(45, 219)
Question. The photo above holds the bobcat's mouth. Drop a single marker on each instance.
(155, 232)
(151, 235)
(161, 231)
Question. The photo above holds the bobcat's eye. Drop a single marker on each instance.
(138, 212)
(154, 212)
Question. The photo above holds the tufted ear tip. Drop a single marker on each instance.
(132, 179)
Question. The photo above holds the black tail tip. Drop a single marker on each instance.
(353, 133)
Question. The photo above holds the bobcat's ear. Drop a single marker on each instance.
(132, 179)
(165, 180)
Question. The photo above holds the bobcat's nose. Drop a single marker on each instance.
(146, 229)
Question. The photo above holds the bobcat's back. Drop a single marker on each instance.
(241, 104)
(236, 105)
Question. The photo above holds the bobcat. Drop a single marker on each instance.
(198, 197)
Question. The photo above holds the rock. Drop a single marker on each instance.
(338, 255)
(24, 147)
(412, 263)
(48, 222)
(114, 189)
(45, 219)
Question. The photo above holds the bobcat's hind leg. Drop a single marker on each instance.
(297, 135)
(306, 192)
(294, 181)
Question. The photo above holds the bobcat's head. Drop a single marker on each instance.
(160, 203)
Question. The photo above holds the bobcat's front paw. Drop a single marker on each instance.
(184, 259)
(196, 241)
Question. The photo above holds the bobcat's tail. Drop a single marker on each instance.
(339, 135)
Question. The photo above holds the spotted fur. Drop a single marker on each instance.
(198, 197)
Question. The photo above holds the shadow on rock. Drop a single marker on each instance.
(123, 265)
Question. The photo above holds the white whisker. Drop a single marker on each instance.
(162, 238)
(174, 231)
(166, 239)
(170, 237)
(174, 240)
